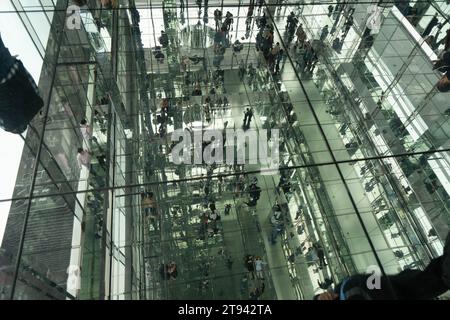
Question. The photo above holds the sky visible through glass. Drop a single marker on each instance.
(18, 42)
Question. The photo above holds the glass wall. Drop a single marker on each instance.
(101, 211)
(389, 81)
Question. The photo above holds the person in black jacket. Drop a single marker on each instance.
(320, 255)
(248, 115)
(164, 39)
(19, 96)
(409, 284)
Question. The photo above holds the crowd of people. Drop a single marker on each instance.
(13, 76)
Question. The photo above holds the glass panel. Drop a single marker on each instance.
(350, 106)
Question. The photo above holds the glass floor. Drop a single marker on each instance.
(356, 189)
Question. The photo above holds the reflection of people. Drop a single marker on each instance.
(249, 262)
(409, 284)
(83, 158)
(217, 18)
(159, 55)
(248, 115)
(148, 204)
(172, 271)
(86, 129)
(74, 277)
(320, 255)
(259, 268)
(337, 45)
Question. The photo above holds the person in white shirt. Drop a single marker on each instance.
(259, 268)
(276, 217)
(74, 278)
(375, 19)
(86, 130)
(84, 158)
(213, 215)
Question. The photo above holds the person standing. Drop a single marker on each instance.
(321, 256)
(291, 21)
(249, 262)
(276, 229)
(86, 131)
(241, 70)
(148, 204)
(276, 50)
(260, 4)
(347, 26)
(228, 22)
(172, 271)
(163, 40)
(299, 213)
(259, 268)
(301, 36)
(245, 117)
(218, 18)
(84, 158)
(300, 60)
(248, 118)
(324, 33)
(251, 74)
(214, 216)
(330, 11)
(182, 6)
(433, 22)
(279, 58)
(145, 204)
(199, 4)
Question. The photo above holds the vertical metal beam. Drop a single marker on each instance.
(112, 192)
(59, 34)
(115, 42)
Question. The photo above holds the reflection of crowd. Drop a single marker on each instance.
(169, 271)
